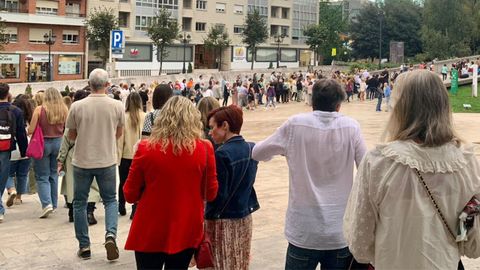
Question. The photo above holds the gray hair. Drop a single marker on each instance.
(98, 79)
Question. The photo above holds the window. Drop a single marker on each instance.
(70, 37)
(47, 11)
(167, 4)
(238, 29)
(9, 66)
(9, 5)
(187, 4)
(69, 64)
(288, 55)
(47, 7)
(238, 9)
(10, 34)
(220, 7)
(285, 13)
(186, 24)
(200, 27)
(175, 54)
(274, 12)
(266, 55)
(284, 30)
(202, 4)
(123, 18)
(142, 22)
(220, 26)
(36, 35)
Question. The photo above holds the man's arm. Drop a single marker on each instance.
(360, 147)
(119, 132)
(276, 144)
(20, 133)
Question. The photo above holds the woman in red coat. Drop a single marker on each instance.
(172, 173)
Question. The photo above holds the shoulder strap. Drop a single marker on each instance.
(442, 217)
(239, 182)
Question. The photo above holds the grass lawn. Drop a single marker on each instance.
(464, 96)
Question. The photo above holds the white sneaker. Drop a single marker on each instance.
(46, 211)
(1, 218)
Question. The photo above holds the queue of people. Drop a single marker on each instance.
(188, 163)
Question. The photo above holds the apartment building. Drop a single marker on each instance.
(28, 22)
(195, 18)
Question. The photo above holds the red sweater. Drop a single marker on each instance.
(169, 190)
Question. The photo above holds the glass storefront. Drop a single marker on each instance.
(9, 66)
(69, 64)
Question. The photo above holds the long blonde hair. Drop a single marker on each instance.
(38, 98)
(55, 107)
(133, 107)
(178, 123)
(421, 110)
(205, 106)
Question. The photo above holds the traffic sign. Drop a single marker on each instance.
(117, 43)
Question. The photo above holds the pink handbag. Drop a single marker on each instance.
(36, 145)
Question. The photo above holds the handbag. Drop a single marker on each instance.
(442, 217)
(36, 146)
(203, 253)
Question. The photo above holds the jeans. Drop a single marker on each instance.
(270, 100)
(308, 259)
(46, 172)
(379, 103)
(106, 180)
(4, 170)
(19, 169)
(123, 170)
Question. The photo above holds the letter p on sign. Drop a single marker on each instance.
(117, 39)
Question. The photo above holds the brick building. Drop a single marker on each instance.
(25, 57)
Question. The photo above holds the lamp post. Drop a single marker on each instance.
(185, 39)
(49, 39)
(278, 39)
(28, 58)
(380, 15)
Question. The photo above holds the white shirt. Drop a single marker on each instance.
(390, 220)
(321, 148)
(207, 93)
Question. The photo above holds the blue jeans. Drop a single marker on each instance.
(308, 259)
(106, 180)
(4, 170)
(19, 169)
(379, 103)
(46, 172)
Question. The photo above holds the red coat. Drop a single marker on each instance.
(169, 190)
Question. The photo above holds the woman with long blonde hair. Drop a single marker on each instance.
(50, 117)
(134, 119)
(172, 173)
(405, 204)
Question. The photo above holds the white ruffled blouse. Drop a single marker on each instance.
(391, 222)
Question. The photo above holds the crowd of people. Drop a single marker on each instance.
(189, 173)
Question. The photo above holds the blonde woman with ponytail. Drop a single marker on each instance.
(50, 117)
(134, 119)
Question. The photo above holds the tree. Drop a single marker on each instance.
(365, 32)
(163, 31)
(255, 32)
(3, 35)
(217, 39)
(316, 37)
(99, 24)
(334, 23)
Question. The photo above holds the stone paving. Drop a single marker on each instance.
(28, 242)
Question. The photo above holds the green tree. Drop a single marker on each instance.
(334, 23)
(3, 35)
(365, 32)
(99, 24)
(163, 31)
(316, 37)
(217, 39)
(255, 32)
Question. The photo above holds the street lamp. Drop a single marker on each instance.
(278, 39)
(185, 39)
(49, 39)
(380, 42)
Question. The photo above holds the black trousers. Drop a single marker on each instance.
(123, 171)
(156, 260)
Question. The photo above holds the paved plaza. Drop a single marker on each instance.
(28, 242)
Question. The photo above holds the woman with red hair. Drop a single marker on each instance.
(229, 220)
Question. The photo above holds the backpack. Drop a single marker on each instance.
(7, 128)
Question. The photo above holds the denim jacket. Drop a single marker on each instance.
(233, 160)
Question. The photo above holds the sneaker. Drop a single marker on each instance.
(84, 253)
(1, 218)
(111, 247)
(11, 198)
(46, 211)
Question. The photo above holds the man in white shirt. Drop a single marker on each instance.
(95, 123)
(321, 148)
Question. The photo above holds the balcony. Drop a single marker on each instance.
(74, 15)
(12, 10)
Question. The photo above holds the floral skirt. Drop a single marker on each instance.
(231, 240)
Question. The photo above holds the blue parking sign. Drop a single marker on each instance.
(117, 43)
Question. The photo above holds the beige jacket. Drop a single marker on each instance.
(130, 136)
(390, 220)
